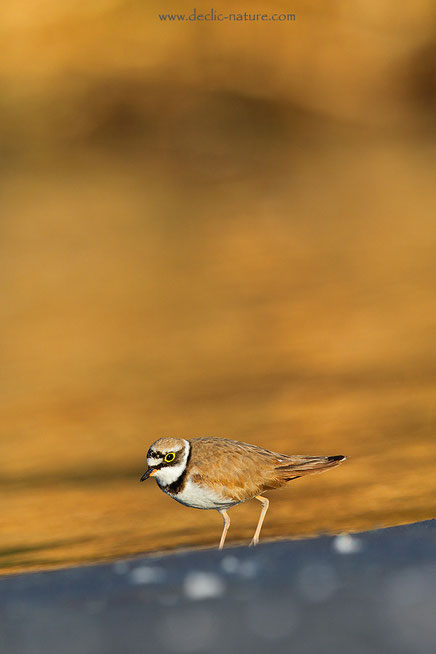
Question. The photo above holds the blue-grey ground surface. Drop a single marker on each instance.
(369, 593)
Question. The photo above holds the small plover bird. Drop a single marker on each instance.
(217, 473)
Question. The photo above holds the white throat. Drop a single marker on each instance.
(169, 474)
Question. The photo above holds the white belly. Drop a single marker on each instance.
(200, 497)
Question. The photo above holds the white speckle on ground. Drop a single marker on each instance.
(248, 568)
(203, 585)
(230, 564)
(147, 575)
(347, 544)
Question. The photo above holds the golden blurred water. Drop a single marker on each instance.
(291, 305)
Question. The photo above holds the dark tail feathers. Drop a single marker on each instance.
(297, 466)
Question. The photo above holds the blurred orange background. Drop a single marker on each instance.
(213, 229)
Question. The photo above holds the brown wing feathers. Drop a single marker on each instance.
(243, 470)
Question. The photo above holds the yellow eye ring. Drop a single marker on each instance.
(169, 457)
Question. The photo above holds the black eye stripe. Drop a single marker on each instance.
(154, 454)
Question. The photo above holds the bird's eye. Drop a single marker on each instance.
(169, 457)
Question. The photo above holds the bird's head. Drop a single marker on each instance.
(166, 460)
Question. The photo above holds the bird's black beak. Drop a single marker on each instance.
(149, 473)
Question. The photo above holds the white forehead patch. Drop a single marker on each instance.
(152, 461)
